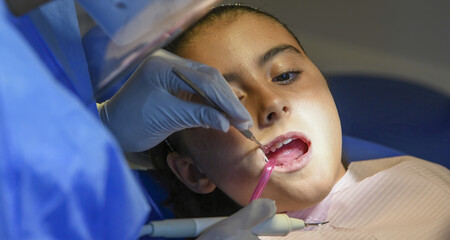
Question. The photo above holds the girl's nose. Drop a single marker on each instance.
(273, 107)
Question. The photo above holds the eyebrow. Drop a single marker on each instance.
(231, 76)
(271, 53)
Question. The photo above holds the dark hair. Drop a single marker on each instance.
(183, 201)
(227, 13)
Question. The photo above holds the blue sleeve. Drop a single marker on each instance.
(62, 175)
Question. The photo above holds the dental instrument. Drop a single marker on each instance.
(268, 168)
(247, 133)
(277, 225)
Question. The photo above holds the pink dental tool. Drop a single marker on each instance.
(268, 168)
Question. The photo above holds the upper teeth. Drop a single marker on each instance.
(280, 144)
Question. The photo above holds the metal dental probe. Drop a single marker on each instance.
(247, 133)
(316, 224)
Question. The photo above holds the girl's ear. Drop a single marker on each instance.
(186, 170)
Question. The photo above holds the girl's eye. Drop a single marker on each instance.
(286, 77)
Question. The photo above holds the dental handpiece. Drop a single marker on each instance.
(277, 225)
(247, 133)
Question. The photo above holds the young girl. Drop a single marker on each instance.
(296, 120)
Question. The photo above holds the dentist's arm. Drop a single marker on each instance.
(146, 110)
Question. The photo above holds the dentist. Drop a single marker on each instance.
(62, 172)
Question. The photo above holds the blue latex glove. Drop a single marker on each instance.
(146, 110)
(241, 224)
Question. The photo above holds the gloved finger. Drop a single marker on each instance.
(217, 89)
(208, 79)
(256, 212)
(241, 224)
(189, 114)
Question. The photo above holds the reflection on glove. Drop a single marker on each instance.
(240, 224)
(146, 110)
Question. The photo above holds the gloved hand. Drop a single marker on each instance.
(145, 110)
(240, 224)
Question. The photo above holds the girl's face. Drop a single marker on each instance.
(293, 113)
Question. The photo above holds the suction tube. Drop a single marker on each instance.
(278, 225)
(265, 176)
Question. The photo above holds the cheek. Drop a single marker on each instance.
(210, 148)
(319, 110)
(227, 159)
(238, 184)
(315, 97)
(315, 107)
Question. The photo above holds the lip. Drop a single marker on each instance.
(297, 163)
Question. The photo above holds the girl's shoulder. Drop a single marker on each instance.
(409, 164)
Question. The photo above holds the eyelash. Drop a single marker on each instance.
(291, 78)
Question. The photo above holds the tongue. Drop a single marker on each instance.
(289, 152)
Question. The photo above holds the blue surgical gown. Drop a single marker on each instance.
(62, 174)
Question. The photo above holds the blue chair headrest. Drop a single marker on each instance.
(392, 112)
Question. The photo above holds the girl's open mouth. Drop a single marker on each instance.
(292, 151)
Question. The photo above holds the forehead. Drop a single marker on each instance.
(237, 40)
